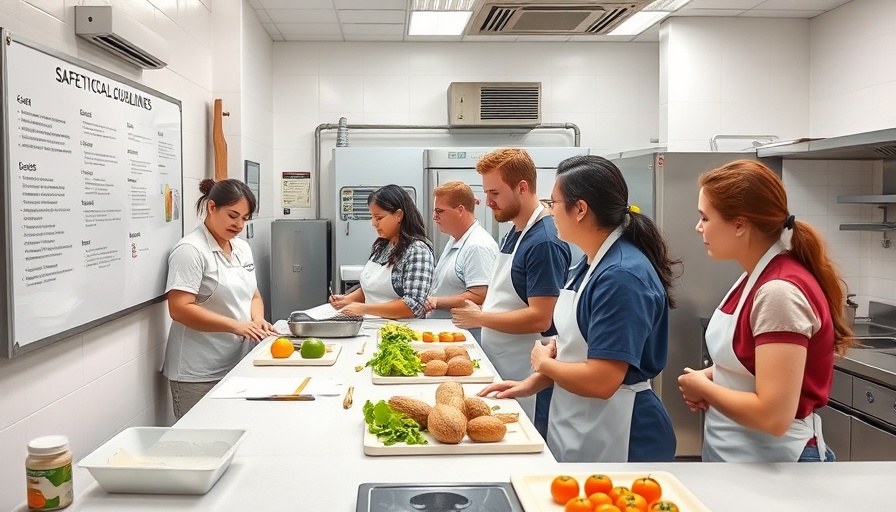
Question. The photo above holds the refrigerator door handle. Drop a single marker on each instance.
(346, 227)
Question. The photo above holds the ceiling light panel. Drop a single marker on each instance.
(666, 5)
(638, 22)
(443, 5)
(438, 23)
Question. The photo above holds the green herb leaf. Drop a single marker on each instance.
(394, 356)
(390, 426)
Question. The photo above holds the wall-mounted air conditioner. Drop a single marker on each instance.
(115, 31)
(494, 104)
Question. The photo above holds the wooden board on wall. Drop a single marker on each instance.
(93, 194)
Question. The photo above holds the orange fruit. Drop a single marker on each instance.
(649, 488)
(598, 498)
(428, 337)
(281, 348)
(446, 336)
(598, 483)
(635, 501)
(578, 504)
(618, 491)
(564, 488)
(663, 506)
(459, 336)
(607, 508)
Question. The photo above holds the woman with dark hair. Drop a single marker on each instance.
(612, 323)
(213, 299)
(398, 276)
(773, 338)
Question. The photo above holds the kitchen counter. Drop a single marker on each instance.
(872, 364)
(308, 456)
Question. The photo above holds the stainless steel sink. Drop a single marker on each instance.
(875, 342)
(870, 329)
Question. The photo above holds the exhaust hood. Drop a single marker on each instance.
(876, 145)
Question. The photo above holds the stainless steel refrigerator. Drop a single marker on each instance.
(672, 202)
(300, 265)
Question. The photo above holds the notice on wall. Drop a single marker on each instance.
(296, 189)
(94, 196)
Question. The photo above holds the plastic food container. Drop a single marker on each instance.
(162, 460)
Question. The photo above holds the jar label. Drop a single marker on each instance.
(50, 489)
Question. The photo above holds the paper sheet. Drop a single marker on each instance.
(244, 387)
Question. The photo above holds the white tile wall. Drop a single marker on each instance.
(609, 90)
(852, 76)
(92, 385)
(733, 76)
(812, 189)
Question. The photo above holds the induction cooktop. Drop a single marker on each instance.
(446, 497)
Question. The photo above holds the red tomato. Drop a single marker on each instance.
(578, 504)
(649, 488)
(564, 488)
(597, 499)
(598, 483)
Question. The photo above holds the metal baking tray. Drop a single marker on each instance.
(441, 497)
(302, 325)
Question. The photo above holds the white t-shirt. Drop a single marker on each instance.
(465, 263)
(222, 285)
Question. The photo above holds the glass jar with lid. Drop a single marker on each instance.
(48, 470)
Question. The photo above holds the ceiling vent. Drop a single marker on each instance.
(551, 17)
(116, 32)
(494, 104)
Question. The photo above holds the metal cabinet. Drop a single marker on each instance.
(868, 442)
(836, 428)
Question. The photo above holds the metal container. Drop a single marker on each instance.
(301, 325)
(438, 497)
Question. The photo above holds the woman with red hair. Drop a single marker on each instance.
(773, 338)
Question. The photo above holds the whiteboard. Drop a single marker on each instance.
(93, 193)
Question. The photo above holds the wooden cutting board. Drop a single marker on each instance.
(534, 490)
(521, 437)
(264, 357)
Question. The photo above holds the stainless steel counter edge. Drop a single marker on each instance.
(869, 364)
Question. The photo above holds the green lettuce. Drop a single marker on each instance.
(389, 426)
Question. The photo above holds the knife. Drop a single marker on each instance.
(284, 398)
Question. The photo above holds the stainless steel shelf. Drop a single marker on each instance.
(870, 226)
(869, 199)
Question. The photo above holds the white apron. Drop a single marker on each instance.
(509, 353)
(376, 283)
(587, 429)
(210, 355)
(445, 282)
(724, 439)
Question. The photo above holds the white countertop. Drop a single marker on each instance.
(308, 456)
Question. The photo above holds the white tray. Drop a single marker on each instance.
(264, 357)
(521, 437)
(534, 490)
(162, 460)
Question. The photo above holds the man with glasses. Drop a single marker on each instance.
(465, 267)
(530, 270)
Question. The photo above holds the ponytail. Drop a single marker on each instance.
(809, 249)
(644, 234)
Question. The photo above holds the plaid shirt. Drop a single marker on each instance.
(412, 275)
